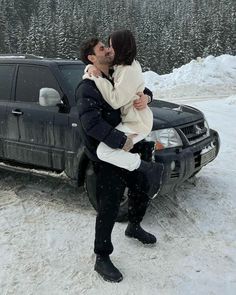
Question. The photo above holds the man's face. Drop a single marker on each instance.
(102, 55)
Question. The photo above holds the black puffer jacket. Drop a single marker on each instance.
(97, 119)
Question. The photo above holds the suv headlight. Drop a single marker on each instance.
(165, 138)
(207, 127)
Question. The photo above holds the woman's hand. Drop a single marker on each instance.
(141, 102)
(94, 71)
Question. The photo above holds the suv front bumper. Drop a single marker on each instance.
(182, 163)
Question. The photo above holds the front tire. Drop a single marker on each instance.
(90, 187)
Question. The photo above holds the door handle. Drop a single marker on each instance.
(16, 112)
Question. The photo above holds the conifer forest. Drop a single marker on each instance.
(169, 33)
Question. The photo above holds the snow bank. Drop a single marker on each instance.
(202, 77)
(231, 99)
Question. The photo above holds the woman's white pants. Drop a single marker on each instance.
(119, 157)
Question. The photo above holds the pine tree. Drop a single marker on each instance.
(2, 29)
(215, 45)
(12, 24)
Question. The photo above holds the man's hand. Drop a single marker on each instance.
(129, 143)
(94, 71)
(141, 102)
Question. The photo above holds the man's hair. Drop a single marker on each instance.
(87, 48)
(124, 45)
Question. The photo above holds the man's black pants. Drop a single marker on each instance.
(110, 185)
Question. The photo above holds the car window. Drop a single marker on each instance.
(31, 79)
(6, 76)
(73, 75)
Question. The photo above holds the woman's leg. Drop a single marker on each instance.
(119, 157)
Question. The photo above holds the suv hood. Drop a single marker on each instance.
(167, 114)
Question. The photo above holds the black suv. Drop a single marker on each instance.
(41, 130)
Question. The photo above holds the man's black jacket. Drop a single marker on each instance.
(97, 119)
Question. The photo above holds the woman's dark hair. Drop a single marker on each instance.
(124, 45)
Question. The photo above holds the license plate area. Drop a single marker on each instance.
(207, 154)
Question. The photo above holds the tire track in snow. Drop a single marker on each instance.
(173, 219)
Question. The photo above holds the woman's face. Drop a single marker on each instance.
(112, 52)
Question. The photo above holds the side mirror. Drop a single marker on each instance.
(49, 97)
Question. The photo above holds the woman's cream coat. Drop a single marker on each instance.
(128, 81)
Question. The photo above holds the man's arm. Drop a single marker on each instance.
(144, 99)
(148, 92)
(90, 113)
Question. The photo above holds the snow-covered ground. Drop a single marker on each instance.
(47, 230)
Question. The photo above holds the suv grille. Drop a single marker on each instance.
(194, 132)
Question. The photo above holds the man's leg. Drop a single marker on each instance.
(109, 188)
(138, 203)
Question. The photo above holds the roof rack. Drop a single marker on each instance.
(18, 55)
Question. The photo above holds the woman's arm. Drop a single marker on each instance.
(128, 81)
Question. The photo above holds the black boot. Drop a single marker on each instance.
(107, 270)
(136, 231)
(153, 173)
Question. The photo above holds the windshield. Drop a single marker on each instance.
(73, 75)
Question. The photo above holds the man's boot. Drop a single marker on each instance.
(137, 232)
(153, 173)
(107, 270)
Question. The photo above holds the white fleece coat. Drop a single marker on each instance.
(128, 81)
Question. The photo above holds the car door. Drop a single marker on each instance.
(9, 132)
(36, 122)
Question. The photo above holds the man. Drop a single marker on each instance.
(97, 124)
